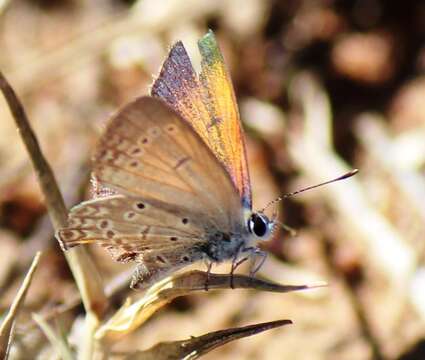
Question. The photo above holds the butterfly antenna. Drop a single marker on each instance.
(280, 198)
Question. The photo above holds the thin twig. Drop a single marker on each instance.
(6, 328)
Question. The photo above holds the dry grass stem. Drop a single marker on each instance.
(6, 328)
(86, 275)
(58, 342)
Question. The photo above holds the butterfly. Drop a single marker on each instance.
(171, 176)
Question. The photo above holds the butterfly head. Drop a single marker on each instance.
(260, 226)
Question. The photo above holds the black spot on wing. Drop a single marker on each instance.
(140, 205)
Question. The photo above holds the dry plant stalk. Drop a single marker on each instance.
(86, 275)
(7, 326)
(58, 342)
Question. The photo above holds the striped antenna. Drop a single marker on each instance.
(280, 198)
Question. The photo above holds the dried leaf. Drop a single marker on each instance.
(198, 346)
(130, 316)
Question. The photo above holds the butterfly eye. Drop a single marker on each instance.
(259, 225)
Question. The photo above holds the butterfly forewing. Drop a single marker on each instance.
(172, 192)
(179, 87)
(208, 104)
(149, 150)
(224, 113)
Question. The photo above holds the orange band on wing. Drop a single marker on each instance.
(208, 104)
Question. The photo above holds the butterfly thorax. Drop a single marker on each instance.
(221, 246)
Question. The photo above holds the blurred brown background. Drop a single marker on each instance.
(323, 87)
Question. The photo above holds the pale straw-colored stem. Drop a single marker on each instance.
(7, 326)
(58, 342)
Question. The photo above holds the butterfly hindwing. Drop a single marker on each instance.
(158, 264)
(160, 237)
(131, 223)
(208, 103)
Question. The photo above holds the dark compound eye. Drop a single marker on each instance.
(258, 224)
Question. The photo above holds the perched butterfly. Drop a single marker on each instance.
(172, 176)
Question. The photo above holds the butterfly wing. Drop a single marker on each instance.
(208, 103)
(169, 192)
(224, 114)
(138, 229)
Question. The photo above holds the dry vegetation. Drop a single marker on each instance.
(323, 87)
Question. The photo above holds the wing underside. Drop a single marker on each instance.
(166, 192)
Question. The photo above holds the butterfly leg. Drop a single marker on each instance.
(207, 281)
(234, 266)
(255, 252)
(236, 263)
